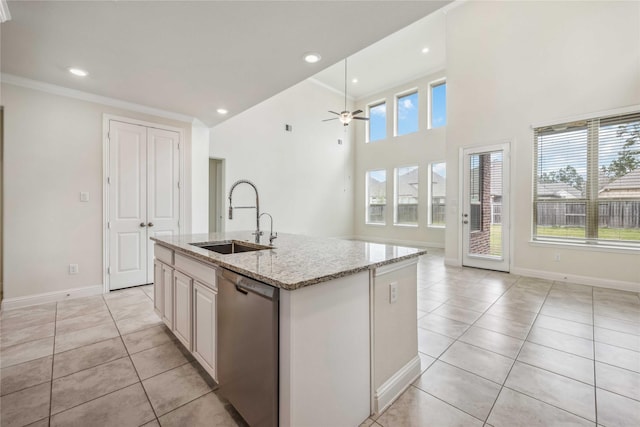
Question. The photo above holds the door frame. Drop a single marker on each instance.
(220, 192)
(505, 146)
(106, 118)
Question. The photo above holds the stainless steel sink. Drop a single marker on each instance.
(226, 247)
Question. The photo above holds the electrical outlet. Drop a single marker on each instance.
(393, 292)
(73, 269)
(84, 196)
(556, 257)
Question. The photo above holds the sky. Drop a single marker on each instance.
(408, 114)
(439, 106)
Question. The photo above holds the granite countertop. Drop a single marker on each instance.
(294, 261)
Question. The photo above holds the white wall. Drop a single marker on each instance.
(53, 151)
(420, 148)
(199, 178)
(304, 177)
(513, 64)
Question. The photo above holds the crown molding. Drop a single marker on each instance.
(90, 97)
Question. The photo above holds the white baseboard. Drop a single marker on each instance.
(453, 262)
(396, 385)
(9, 303)
(573, 278)
(396, 242)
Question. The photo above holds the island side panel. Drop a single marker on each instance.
(324, 353)
(395, 332)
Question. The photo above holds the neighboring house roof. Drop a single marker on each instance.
(408, 184)
(558, 190)
(438, 185)
(626, 186)
(376, 188)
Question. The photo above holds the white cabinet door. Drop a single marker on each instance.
(182, 288)
(163, 180)
(167, 295)
(204, 327)
(158, 290)
(127, 222)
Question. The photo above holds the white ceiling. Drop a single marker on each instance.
(393, 60)
(192, 57)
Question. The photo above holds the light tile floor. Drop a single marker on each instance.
(496, 350)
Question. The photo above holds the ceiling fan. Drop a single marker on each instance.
(345, 116)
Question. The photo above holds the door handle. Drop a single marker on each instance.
(142, 224)
(150, 224)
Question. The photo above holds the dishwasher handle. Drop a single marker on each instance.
(246, 285)
(241, 290)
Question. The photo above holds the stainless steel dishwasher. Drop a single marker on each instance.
(248, 347)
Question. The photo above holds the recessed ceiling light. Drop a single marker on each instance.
(425, 50)
(222, 111)
(78, 72)
(312, 57)
(354, 80)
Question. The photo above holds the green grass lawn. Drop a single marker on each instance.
(628, 234)
(604, 233)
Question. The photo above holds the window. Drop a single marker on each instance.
(438, 105)
(406, 194)
(407, 113)
(376, 182)
(437, 196)
(587, 181)
(377, 122)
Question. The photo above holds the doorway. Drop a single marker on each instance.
(485, 210)
(216, 195)
(143, 198)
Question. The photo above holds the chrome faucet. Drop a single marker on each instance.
(257, 233)
(272, 236)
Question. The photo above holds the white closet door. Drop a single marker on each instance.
(163, 193)
(128, 246)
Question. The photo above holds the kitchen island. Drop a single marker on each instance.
(347, 317)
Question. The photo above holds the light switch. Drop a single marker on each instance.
(84, 196)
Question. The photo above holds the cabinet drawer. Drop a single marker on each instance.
(163, 254)
(205, 274)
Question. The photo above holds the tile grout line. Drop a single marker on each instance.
(595, 378)
(133, 365)
(53, 357)
(456, 340)
(517, 355)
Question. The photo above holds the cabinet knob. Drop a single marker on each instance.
(465, 222)
(142, 224)
(150, 224)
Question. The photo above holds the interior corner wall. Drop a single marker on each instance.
(199, 178)
(53, 151)
(514, 64)
(304, 177)
(420, 149)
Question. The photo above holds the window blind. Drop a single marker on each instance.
(587, 181)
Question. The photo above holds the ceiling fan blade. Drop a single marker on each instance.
(333, 112)
(356, 112)
(326, 120)
(361, 118)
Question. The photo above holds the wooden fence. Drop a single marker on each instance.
(611, 214)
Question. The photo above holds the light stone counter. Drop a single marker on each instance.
(294, 261)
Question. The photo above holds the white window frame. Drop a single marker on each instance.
(368, 126)
(430, 102)
(366, 197)
(395, 196)
(430, 195)
(396, 97)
